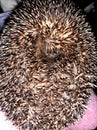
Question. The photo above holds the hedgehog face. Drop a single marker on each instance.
(56, 41)
(55, 37)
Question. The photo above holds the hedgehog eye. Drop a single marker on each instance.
(56, 43)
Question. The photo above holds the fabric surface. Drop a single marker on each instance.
(3, 16)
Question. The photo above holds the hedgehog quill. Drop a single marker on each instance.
(48, 65)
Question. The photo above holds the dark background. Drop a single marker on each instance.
(91, 15)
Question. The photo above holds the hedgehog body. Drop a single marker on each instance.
(47, 65)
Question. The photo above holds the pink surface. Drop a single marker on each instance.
(88, 122)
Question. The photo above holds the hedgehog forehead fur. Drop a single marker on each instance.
(47, 65)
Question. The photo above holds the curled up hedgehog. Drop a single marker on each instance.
(48, 65)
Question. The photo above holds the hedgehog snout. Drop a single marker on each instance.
(48, 48)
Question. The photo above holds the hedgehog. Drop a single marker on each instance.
(48, 65)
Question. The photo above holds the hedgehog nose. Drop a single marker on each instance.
(49, 53)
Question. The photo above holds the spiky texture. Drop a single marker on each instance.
(47, 65)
